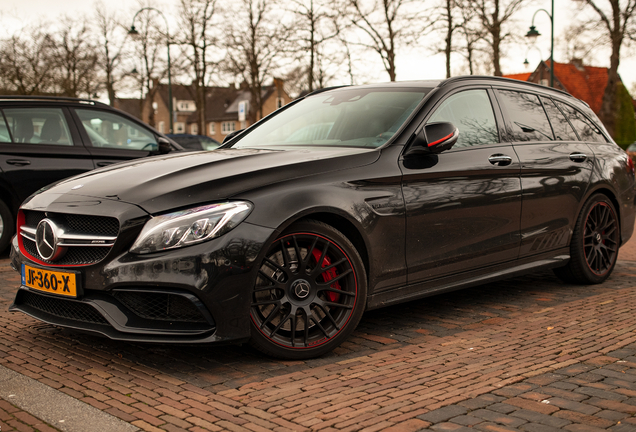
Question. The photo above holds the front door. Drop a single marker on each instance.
(463, 205)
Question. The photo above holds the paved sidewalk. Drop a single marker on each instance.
(529, 354)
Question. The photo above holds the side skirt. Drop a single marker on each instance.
(432, 287)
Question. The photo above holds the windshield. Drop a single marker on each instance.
(349, 117)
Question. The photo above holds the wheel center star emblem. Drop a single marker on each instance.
(301, 289)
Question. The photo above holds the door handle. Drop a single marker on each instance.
(103, 164)
(578, 157)
(19, 162)
(500, 160)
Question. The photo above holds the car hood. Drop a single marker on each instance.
(162, 183)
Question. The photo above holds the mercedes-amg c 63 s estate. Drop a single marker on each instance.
(346, 200)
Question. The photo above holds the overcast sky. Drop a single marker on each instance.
(412, 64)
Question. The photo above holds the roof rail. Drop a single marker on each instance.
(486, 77)
(50, 98)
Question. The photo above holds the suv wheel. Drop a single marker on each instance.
(7, 226)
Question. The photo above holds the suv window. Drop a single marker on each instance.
(528, 121)
(471, 112)
(110, 130)
(586, 129)
(561, 126)
(38, 126)
(4, 130)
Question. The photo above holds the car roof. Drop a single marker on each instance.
(448, 81)
(25, 98)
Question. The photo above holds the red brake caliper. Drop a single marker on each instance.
(328, 275)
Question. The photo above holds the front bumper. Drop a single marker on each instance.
(196, 294)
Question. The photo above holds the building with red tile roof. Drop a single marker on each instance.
(583, 82)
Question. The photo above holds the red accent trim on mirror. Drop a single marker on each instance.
(441, 139)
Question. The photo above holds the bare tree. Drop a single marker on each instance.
(313, 27)
(149, 62)
(494, 15)
(255, 40)
(26, 62)
(75, 59)
(618, 24)
(473, 36)
(196, 24)
(111, 39)
(447, 23)
(387, 24)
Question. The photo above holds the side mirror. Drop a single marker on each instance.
(231, 135)
(164, 145)
(434, 138)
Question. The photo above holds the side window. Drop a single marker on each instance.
(561, 126)
(586, 129)
(4, 130)
(471, 112)
(527, 119)
(110, 130)
(38, 126)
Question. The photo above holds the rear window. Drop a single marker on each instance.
(527, 120)
(37, 126)
(562, 128)
(584, 127)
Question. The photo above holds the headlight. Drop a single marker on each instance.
(191, 226)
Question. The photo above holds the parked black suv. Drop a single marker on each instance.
(46, 139)
(346, 200)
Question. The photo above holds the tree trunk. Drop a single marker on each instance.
(449, 36)
(608, 106)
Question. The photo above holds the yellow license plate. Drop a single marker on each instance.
(52, 282)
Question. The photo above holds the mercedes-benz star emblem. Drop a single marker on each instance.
(301, 289)
(46, 240)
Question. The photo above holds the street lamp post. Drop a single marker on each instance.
(133, 32)
(533, 34)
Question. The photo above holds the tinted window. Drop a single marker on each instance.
(4, 130)
(561, 126)
(471, 112)
(38, 126)
(585, 128)
(527, 119)
(109, 130)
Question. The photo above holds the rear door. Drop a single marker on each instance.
(38, 146)
(555, 169)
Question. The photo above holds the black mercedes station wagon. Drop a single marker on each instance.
(346, 200)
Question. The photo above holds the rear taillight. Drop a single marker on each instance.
(630, 166)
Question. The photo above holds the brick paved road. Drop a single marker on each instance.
(528, 354)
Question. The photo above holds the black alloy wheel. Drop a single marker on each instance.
(310, 292)
(595, 243)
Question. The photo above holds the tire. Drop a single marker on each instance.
(302, 310)
(7, 226)
(594, 245)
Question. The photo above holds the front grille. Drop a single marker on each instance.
(74, 256)
(62, 308)
(87, 226)
(160, 306)
(97, 225)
